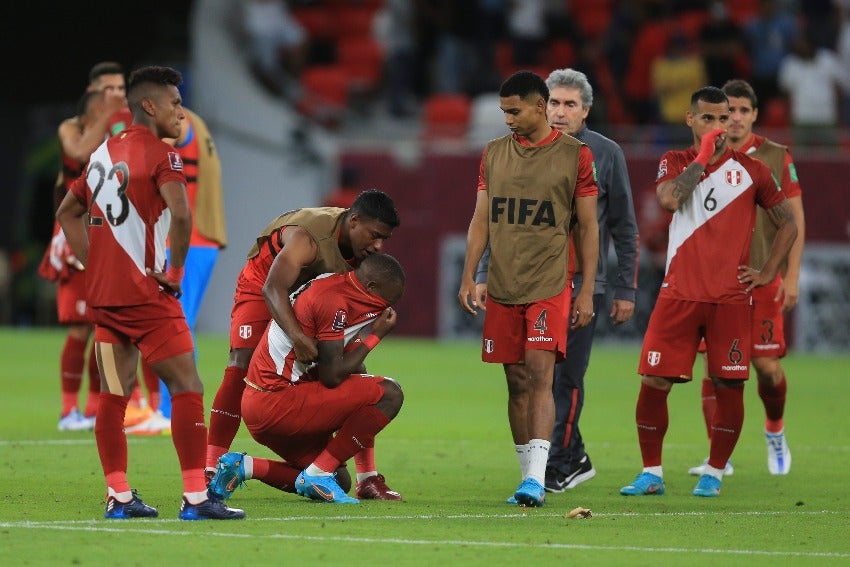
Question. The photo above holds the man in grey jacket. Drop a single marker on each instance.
(570, 99)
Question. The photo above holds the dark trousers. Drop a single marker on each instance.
(568, 389)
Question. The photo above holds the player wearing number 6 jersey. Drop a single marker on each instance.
(135, 195)
(712, 192)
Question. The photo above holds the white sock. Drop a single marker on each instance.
(313, 470)
(195, 498)
(248, 465)
(538, 455)
(657, 471)
(122, 497)
(522, 455)
(711, 471)
(361, 476)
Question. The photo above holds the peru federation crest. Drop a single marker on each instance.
(733, 177)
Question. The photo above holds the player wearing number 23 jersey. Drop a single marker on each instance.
(129, 220)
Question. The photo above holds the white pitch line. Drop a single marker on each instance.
(459, 543)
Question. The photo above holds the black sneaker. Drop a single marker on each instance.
(135, 508)
(582, 471)
(556, 481)
(213, 508)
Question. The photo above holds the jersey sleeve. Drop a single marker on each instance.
(170, 168)
(482, 178)
(789, 182)
(669, 167)
(586, 179)
(79, 188)
(330, 316)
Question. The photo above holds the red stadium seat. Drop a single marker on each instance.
(325, 93)
(446, 116)
(363, 61)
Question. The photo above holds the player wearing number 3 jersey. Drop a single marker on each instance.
(713, 192)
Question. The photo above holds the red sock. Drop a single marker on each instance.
(709, 403)
(225, 414)
(111, 440)
(94, 384)
(152, 385)
(72, 362)
(276, 474)
(773, 398)
(189, 433)
(357, 432)
(652, 420)
(726, 429)
(364, 460)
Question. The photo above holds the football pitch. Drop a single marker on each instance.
(449, 453)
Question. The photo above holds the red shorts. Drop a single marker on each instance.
(768, 327)
(768, 321)
(248, 320)
(510, 330)
(159, 330)
(71, 299)
(674, 332)
(298, 421)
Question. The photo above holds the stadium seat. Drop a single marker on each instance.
(446, 116)
(354, 21)
(318, 22)
(325, 93)
(362, 58)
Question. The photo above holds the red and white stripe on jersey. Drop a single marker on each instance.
(129, 218)
(710, 233)
(330, 307)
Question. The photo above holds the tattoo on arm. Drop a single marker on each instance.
(781, 213)
(685, 184)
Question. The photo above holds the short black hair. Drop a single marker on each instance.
(739, 88)
(150, 75)
(383, 268)
(523, 84)
(105, 68)
(377, 205)
(711, 95)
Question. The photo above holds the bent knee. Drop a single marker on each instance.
(393, 394)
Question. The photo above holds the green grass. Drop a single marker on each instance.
(450, 454)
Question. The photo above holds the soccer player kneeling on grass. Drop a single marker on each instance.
(318, 416)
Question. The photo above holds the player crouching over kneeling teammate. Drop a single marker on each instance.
(317, 417)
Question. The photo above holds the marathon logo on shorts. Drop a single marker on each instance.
(733, 177)
(340, 319)
(245, 331)
(175, 160)
(653, 357)
(489, 346)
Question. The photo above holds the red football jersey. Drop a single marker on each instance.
(710, 234)
(129, 220)
(330, 307)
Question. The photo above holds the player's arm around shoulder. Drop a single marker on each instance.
(299, 250)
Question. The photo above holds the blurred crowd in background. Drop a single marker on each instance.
(424, 63)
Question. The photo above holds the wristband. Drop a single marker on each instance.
(174, 274)
(371, 341)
